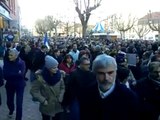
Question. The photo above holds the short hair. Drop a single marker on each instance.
(8, 44)
(56, 50)
(103, 61)
(83, 52)
(43, 46)
(154, 58)
(82, 59)
(14, 51)
(66, 57)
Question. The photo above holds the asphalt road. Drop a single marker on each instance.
(30, 108)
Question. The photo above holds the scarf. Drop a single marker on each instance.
(51, 79)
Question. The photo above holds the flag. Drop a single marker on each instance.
(45, 40)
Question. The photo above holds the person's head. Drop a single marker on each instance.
(13, 54)
(98, 48)
(56, 52)
(27, 49)
(51, 64)
(68, 59)
(121, 59)
(84, 53)
(154, 70)
(84, 63)
(155, 58)
(8, 44)
(105, 68)
(146, 55)
(44, 48)
(74, 47)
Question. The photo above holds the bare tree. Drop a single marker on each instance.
(84, 14)
(122, 25)
(68, 28)
(154, 23)
(25, 31)
(41, 27)
(52, 23)
(141, 30)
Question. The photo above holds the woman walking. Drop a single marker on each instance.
(48, 89)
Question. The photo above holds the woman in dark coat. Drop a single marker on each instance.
(14, 71)
(67, 65)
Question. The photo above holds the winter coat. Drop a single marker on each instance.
(36, 59)
(13, 72)
(63, 66)
(53, 94)
(121, 104)
(81, 86)
(149, 94)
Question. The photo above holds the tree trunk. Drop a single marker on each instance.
(67, 29)
(124, 35)
(158, 35)
(121, 34)
(84, 28)
(55, 32)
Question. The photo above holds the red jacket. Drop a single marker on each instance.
(63, 66)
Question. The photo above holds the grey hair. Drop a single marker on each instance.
(103, 61)
(14, 51)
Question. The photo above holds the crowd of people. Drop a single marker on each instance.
(84, 79)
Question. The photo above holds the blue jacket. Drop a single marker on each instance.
(14, 72)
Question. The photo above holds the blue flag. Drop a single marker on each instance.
(45, 40)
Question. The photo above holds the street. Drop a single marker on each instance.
(30, 108)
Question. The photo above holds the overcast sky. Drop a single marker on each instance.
(31, 10)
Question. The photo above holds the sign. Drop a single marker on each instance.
(131, 59)
(4, 12)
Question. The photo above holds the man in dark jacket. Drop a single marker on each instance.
(13, 71)
(101, 96)
(36, 59)
(148, 90)
(80, 86)
(113, 101)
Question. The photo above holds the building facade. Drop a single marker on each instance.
(9, 18)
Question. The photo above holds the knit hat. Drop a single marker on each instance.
(50, 62)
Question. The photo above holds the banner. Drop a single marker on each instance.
(45, 40)
(131, 59)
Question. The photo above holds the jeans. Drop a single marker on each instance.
(32, 76)
(11, 90)
(74, 110)
(47, 117)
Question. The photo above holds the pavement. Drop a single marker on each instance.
(30, 108)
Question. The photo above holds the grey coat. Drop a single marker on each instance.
(41, 91)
